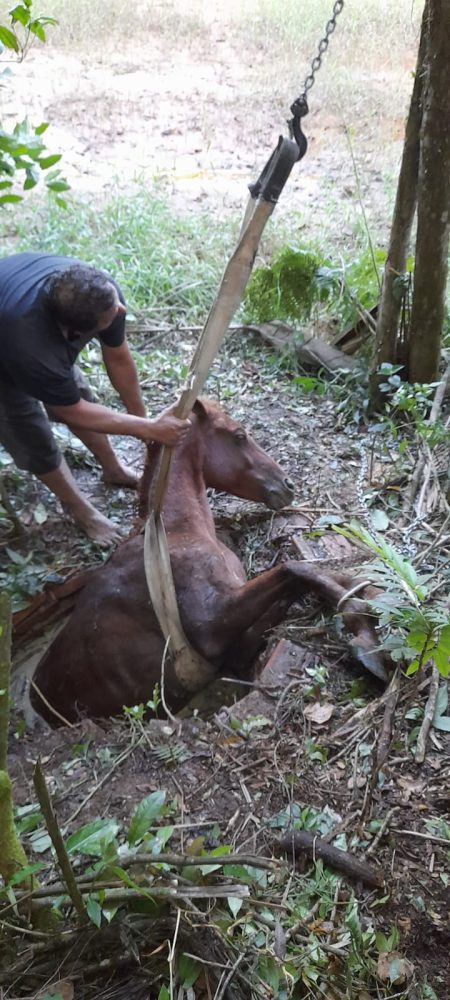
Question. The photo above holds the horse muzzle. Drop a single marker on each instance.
(279, 495)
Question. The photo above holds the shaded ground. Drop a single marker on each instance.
(239, 786)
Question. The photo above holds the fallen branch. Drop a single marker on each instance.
(120, 894)
(443, 841)
(300, 842)
(385, 738)
(376, 840)
(54, 832)
(361, 718)
(430, 709)
(94, 882)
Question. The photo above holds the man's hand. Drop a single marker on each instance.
(166, 428)
(92, 417)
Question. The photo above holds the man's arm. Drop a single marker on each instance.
(83, 415)
(123, 376)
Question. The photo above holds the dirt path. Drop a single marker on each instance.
(203, 121)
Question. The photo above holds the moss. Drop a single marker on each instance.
(12, 854)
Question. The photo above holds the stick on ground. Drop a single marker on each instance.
(300, 842)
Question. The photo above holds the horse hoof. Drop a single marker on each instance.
(371, 660)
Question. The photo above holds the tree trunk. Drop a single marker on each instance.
(5, 671)
(433, 205)
(405, 206)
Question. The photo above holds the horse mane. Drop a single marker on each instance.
(151, 467)
(152, 460)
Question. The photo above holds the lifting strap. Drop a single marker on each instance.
(191, 669)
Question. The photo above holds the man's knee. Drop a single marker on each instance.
(44, 463)
(26, 435)
(39, 460)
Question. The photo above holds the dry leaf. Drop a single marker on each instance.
(319, 714)
(359, 783)
(279, 943)
(410, 787)
(393, 968)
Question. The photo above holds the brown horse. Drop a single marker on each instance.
(110, 651)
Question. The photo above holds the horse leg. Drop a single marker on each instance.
(260, 604)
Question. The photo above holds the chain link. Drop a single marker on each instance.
(407, 547)
(361, 486)
(323, 45)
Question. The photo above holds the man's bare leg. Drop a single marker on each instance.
(96, 525)
(112, 468)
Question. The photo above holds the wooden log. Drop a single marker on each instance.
(298, 842)
(313, 352)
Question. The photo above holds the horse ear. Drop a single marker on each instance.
(200, 410)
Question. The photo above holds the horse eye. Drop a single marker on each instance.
(240, 436)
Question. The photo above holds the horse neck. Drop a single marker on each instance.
(185, 503)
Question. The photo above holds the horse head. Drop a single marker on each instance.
(234, 463)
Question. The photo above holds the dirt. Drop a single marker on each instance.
(232, 783)
(202, 123)
(231, 787)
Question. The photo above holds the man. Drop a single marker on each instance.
(50, 307)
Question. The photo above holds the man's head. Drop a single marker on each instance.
(82, 299)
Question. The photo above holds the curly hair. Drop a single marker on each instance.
(79, 295)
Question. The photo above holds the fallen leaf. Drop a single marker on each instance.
(279, 943)
(359, 783)
(319, 714)
(380, 519)
(410, 787)
(40, 514)
(393, 968)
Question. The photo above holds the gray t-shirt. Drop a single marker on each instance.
(34, 354)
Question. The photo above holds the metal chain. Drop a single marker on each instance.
(323, 45)
(360, 488)
(406, 548)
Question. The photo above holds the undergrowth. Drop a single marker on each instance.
(168, 265)
(299, 283)
(277, 929)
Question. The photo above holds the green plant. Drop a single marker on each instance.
(412, 400)
(417, 625)
(299, 281)
(285, 290)
(22, 577)
(168, 265)
(23, 151)
(137, 713)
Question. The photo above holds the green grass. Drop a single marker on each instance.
(360, 27)
(89, 25)
(165, 264)
(376, 30)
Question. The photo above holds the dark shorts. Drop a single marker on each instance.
(25, 430)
